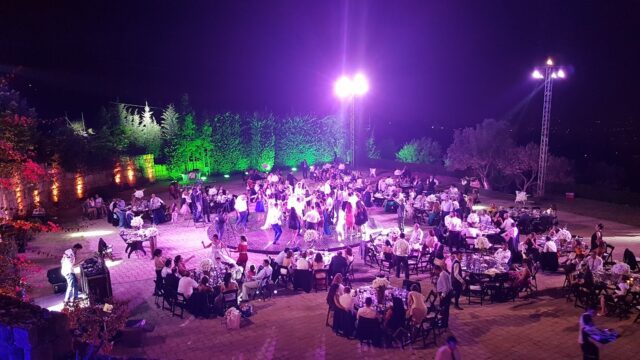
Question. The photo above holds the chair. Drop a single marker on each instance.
(320, 280)
(285, 277)
(159, 293)
(476, 289)
(330, 310)
(368, 331)
(179, 301)
(413, 261)
(386, 265)
(372, 256)
(607, 257)
(302, 279)
(229, 299)
(349, 276)
(343, 323)
(264, 289)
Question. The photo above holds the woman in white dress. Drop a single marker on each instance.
(219, 252)
(270, 204)
(341, 224)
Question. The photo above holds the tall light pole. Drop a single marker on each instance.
(549, 73)
(348, 89)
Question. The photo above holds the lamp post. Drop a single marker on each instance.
(347, 89)
(548, 73)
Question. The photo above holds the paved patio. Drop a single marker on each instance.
(291, 325)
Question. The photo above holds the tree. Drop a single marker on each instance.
(228, 153)
(193, 147)
(141, 131)
(372, 150)
(522, 164)
(422, 151)
(170, 130)
(262, 141)
(478, 148)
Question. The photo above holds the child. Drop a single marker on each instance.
(174, 213)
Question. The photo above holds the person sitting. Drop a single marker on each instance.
(593, 262)
(387, 251)
(550, 245)
(394, 316)
(204, 285)
(338, 265)
(186, 285)
(417, 307)
(522, 275)
(349, 255)
(302, 263)
(503, 255)
(263, 275)
(318, 262)
(367, 311)
(346, 301)
(180, 264)
(629, 258)
(288, 260)
(166, 270)
(618, 295)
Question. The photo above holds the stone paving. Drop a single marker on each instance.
(291, 326)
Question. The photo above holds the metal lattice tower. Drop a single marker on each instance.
(352, 129)
(551, 72)
(544, 137)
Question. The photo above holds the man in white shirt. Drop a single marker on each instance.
(401, 251)
(66, 269)
(508, 222)
(367, 311)
(416, 235)
(485, 219)
(445, 292)
(302, 263)
(312, 218)
(473, 218)
(593, 262)
(346, 300)
(503, 255)
(186, 285)
(281, 255)
(550, 246)
(455, 224)
(273, 219)
(242, 208)
(263, 274)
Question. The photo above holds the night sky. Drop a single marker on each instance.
(433, 65)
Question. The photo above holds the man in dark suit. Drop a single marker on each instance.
(337, 265)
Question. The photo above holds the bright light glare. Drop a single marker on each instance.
(561, 74)
(57, 307)
(226, 176)
(479, 207)
(537, 74)
(554, 75)
(343, 87)
(360, 84)
(111, 263)
(549, 62)
(91, 233)
(294, 169)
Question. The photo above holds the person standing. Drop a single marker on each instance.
(596, 236)
(157, 213)
(67, 263)
(273, 218)
(305, 168)
(401, 212)
(242, 208)
(401, 252)
(444, 290)
(243, 248)
(449, 351)
(586, 326)
(457, 281)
